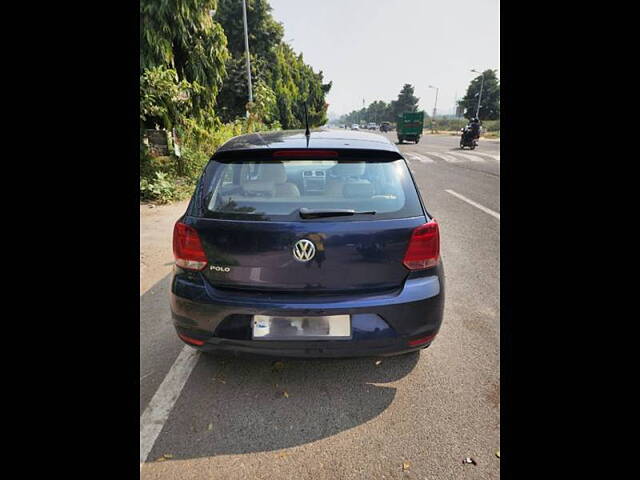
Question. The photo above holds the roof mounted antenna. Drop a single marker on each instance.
(306, 121)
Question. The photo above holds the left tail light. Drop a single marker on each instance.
(187, 248)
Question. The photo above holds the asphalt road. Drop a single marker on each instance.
(353, 418)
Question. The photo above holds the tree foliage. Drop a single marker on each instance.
(265, 105)
(264, 31)
(379, 111)
(296, 83)
(163, 100)
(193, 81)
(490, 102)
(181, 36)
(406, 102)
(274, 66)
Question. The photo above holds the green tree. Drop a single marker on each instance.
(233, 97)
(273, 62)
(406, 102)
(264, 31)
(490, 102)
(377, 111)
(163, 100)
(264, 36)
(265, 106)
(180, 35)
(380, 111)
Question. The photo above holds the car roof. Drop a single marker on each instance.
(318, 138)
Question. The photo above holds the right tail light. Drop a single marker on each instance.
(424, 247)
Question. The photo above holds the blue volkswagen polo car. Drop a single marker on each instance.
(314, 245)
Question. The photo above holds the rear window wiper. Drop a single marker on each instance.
(331, 212)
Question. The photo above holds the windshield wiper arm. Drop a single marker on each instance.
(331, 212)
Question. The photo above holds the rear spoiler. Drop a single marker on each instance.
(279, 154)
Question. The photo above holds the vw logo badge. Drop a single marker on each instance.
(304, 250)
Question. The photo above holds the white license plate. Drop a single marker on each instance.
(329, 327)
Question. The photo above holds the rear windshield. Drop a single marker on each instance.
(277, 190)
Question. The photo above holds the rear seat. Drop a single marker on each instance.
(271, 182)
(346, 174)
(358, 190)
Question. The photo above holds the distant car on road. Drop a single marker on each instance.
(372, 126)
(307, 247)
(385, 127)
(355, 126)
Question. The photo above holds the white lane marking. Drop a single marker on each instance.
(490, 155)
(445, 157)
(472, 158)
(471, 202)
(155, 415)
(420, 158)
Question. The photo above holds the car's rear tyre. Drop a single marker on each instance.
(417, 139)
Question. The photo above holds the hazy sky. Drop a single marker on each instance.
(370, 48)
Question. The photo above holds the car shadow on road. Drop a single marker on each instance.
(234, 406)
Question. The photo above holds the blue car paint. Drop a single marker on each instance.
(357, 255)
(388, 309)
(388, 319)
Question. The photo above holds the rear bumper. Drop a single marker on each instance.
(297, 349)
(383, 324)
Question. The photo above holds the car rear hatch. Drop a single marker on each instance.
(349, 256)
(322, 224)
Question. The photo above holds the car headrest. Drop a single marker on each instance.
(273, 172)
(374, 170)
(349, 169)
(257, 187)
(358, 190)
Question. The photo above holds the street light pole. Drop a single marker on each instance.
(480, 95)
(435, 105)
(246, 48)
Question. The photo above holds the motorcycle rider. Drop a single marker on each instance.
(474, 127)
(472, 130)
